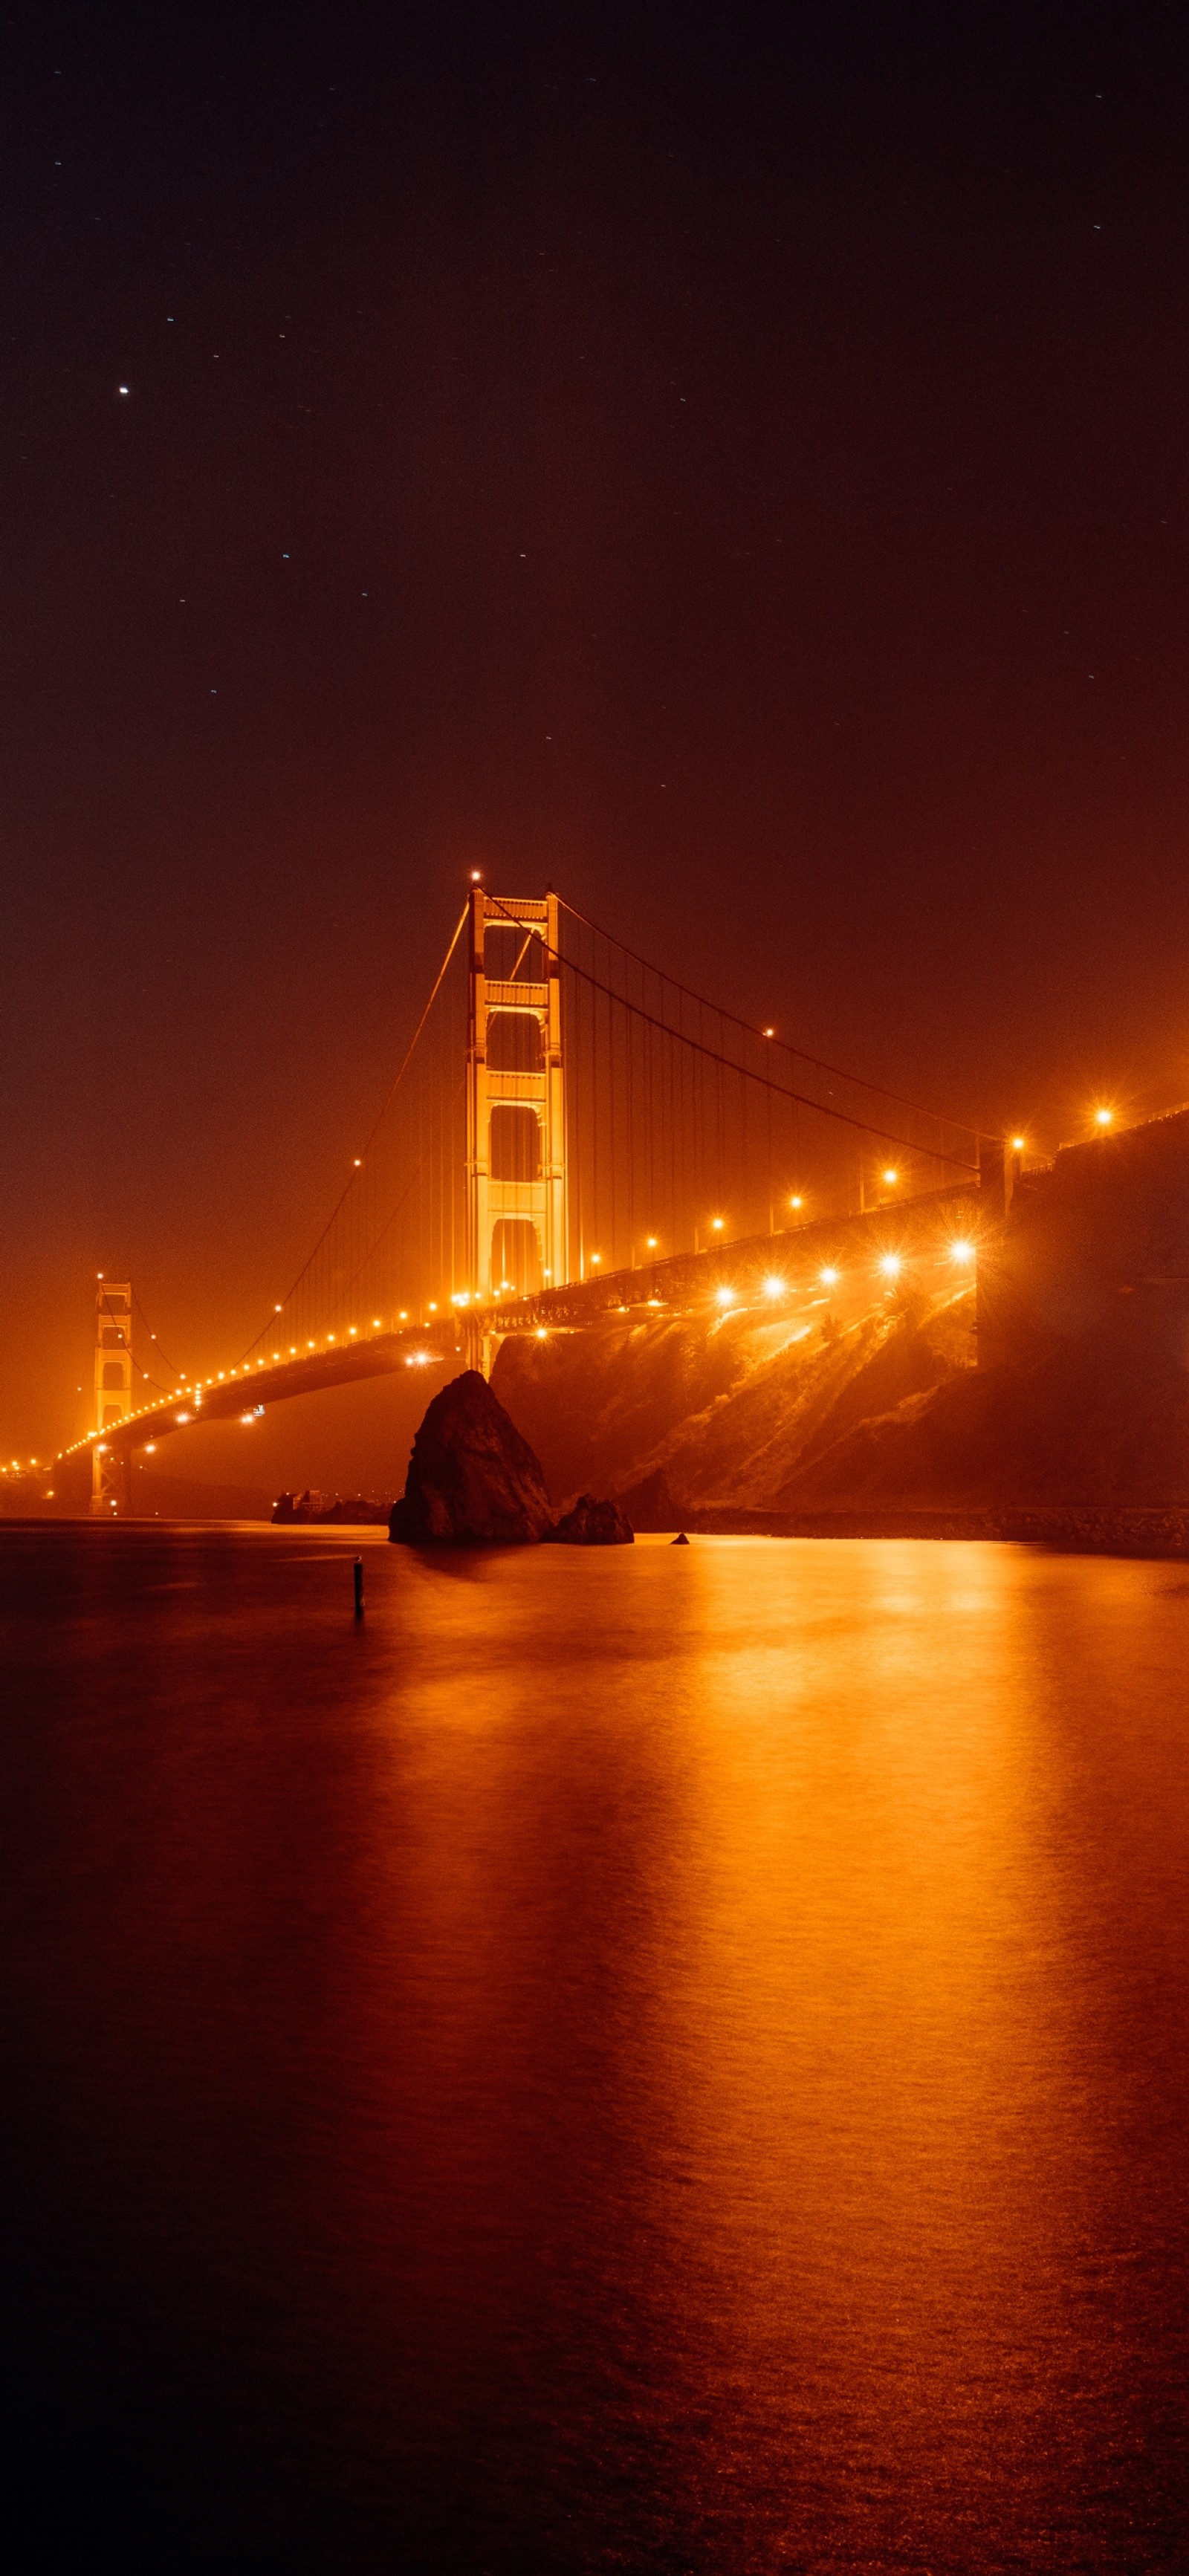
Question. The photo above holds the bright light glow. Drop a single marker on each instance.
(221, 1374)
(247, 1417)
(828, 1277)
(596, 1257)
(102, 1451)
(1017, 1144)
(150, 1449)
(330, 1337)
(541, 1333)
(891, 1265)
(717, 1224)
(182, 1417)
(1103, 1117)
(358, 1161)
(961, 1252)
(376, 1323)
(769, 1033)
(891, 1179)
(652, 1242)
(352, 1329)
(476, 876)
(774, 1287)
(404, 1315)
(796, 1200)
(432, 1307)
(309, 1346)
(724, 1296)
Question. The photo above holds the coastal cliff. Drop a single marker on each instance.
(869, 1402)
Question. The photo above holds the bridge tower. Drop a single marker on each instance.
(516, 1129)
(113, 1392)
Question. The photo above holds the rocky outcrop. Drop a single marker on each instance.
(591, 1524)
(472, 1480)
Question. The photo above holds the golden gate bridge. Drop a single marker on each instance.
(571, 1129)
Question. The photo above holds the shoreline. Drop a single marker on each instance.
(1156, 1530)
(1087, 1529)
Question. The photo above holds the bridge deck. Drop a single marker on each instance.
(682, 1280)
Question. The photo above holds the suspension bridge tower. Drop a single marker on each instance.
(113, 1392)
(516, 1129)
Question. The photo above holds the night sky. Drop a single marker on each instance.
(734, 465)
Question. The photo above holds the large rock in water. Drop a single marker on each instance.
(592, 1524)
(472, 1479)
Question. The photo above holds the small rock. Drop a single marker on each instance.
(592, 1524)
(680, 1540)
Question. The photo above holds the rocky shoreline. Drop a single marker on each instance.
(1155, 1532)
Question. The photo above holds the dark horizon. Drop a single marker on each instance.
(734, 472)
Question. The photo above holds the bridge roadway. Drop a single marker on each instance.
(733, 1272)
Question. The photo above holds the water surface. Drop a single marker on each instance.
(646, 2060)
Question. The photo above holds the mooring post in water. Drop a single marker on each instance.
(357, 1570)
